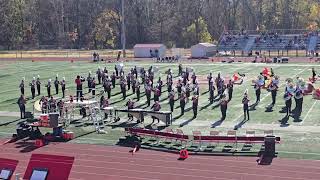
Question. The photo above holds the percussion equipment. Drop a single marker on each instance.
(44, 117)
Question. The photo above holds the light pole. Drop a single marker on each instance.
(123, 33)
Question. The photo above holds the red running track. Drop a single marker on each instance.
(94, 162)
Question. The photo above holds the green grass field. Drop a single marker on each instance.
(299, 139)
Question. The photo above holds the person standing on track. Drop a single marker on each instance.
(22, 106)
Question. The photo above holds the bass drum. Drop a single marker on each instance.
(37, 106)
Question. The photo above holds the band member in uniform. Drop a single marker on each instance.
(137, 87)
(113, 80)
(155, 107)
(298, 96)
(130, 105)
(60, 105)
(21, 86)
(123, 88)
(156, 93)
(187, 91)
(22, 106)
(180, 70)
(223, 106)
(313, 75)
(194, 78)
(211, 91)
(104, 102)
(33, 88)
(179, 87)
(274, 88)
(93, 86)
(148, 93)
(245, 102)
(133, 85)
(288, 98)
(116, 70)
(257, 86)
(78, 82)
(107, 86)
(89, 80)
(171, 100)
(195, 106)
(230, 89)
(182, 102)
(38, 82)
(56, 84)
(63, 86)
(52, 104)
(160, 84)
(99, 74)
(129, 80)
(210, 81)
(44, 104)
(49, 88)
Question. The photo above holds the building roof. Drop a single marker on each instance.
(207, 44)
(148, 45)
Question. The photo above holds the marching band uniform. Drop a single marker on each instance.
(245, 102)
(230, 89)
(160, 84)
(171, 100)
(60, 106)
(211, 91)
(44, 104)
(63, 86)
(288, 102)
(274, 88)
(113, 80)
(56, 85)
(156, 94)
(49, 88)
(210, 81)
(89, 79)
(93, 86)
(313, 75)
(130, 105)
(184, 79)
(169, 84)
(33, 88)
(78, 82)
(188, 90)
(138, 91)
(298, 96)
(257, 86)
(129, 80)
(195, 105)
(38, 83)
(155, 107)
(148, 94)
(223, 107)
(180, 70)
(179, 87)
(21, 86)
(103, 104)
(22, 106)
(107, 87)
(133, 86)
(194, 78)
(123, 89)
(116, 70)
(182, 102)
(99, 74)
(52, 104)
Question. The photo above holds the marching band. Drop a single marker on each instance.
(186, 89)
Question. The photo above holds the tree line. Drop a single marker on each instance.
(96, 24)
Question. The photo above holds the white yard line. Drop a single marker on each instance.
(240, 115)
(315, 102)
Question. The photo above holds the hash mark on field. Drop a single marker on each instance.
(308, 112)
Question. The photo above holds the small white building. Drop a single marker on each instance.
(149, 50)
(203, 50)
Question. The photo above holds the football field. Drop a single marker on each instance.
(300, 139)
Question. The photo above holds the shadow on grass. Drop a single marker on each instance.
(187, 122)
